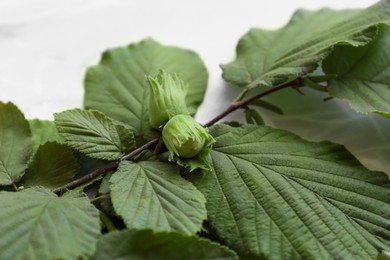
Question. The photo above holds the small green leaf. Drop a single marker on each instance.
(271, 58)
(248, 116)
(257, 117)
(105, 203)
(43, 131)
(36, 224)
(118, 85)
(314, 85)
(267, 105)
(253, 117)
(94, 134)
(274, 195)
(154, 195)
(105, 184)
(53, 166)
(363, 75)
(15, 143)
(144, 244)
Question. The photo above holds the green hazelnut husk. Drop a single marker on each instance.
(188, 142)
(167, 95)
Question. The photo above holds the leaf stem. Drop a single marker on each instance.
(322, 78)
(241, 96)
(113, 165)
(158, 146)
(97, 198)
(314, 85)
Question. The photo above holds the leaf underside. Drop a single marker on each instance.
(271, 58)
(15, 143)
(363, 75)
(154, 195)
(117, 86)
(366, 136)
(94, 134)
(275, 195)
(40, 225)
(144, 244)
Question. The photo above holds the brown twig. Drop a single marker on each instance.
(108, 167)
(241, 104)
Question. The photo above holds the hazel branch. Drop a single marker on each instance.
(114, 165)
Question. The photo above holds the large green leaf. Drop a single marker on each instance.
(144, 244)
(52, 166)
(270, 58)
(36, 224)
(94, 134)
(15, 143)
(363, 74)
(154, 195)
(117, 86)
(42, 131)
(279, 196)
(366, 136)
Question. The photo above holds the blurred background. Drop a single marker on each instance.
(46, 46)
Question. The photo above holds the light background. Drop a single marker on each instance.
(46, 45)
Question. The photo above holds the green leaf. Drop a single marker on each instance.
(253, 117)
(248, 117)
(15, 143)
(257, 117)
(118, 85)
(105, 203)
(94, 134)
(36, 224)
(144, 244)
(268, 106)
(53, 166)
(315, 120)
(154, 195)
(384, 256)
(363, 75)
(275, 195)
(270, 58)
(42, 131)
(88, 164)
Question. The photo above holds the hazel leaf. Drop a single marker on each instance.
(270, 189)
(40, 225)
(271, 58)
(363, 75)
(145, 245)
(153, 195)
(15, 144)
(95, 134)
